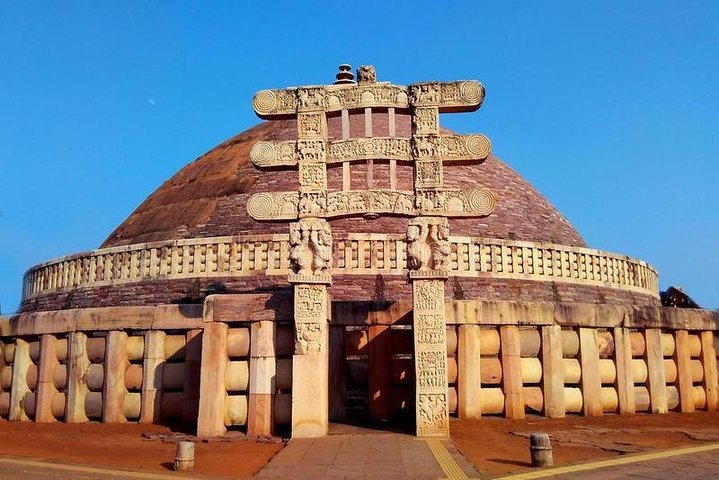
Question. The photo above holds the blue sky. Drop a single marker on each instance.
(611, 108)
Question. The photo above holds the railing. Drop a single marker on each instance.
(358, 254)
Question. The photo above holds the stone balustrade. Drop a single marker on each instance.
(357, 254)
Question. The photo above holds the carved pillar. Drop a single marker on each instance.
(311, 261)
(430, 352)
(427, 255)
(310, 366)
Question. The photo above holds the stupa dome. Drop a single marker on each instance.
(208, 197)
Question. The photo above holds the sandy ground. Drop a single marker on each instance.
(122, 447)
(497, 445)
(493, 445)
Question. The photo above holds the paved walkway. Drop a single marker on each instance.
(398, 456)
(362, 456)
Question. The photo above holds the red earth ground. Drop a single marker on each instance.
(121, 446)
(493, 445)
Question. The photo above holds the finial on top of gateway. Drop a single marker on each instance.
(345, 77)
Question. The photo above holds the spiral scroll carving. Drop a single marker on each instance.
(482, 201)
(261, 206)
(263, 153)
(265, 101)
(471, 92)
(478, 146)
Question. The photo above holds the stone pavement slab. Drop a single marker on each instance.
(696, 463)
(363, 456)
(693, 466)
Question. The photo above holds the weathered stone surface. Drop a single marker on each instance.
(210, 419)
(430, 350)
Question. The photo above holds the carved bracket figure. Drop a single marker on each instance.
(311, 248)
(428, 246)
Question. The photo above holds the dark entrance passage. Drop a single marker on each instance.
(371, 382)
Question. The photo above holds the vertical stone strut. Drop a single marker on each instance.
(624, 382)
(511, 358)
(210, 419)
(310, 375)
(45, 386)
(427, 255)
(656, 373)
(153, 364)
(709, 363)
(263, 371)
(430, 353)
(21, 363)
(113, 389)
(469, 380)
(553, 372)
(428, 252)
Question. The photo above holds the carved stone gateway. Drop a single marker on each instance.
(428, 205)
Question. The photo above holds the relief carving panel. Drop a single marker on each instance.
(430, 347)
(311, 125)
(447, 96)
(369, 148)
(437, 202)
(425, 121)
(449, 148)
(310, 319)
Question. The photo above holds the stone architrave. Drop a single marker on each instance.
(430, 350)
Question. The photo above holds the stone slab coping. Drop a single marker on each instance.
(278, 307)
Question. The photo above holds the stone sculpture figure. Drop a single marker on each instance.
(428, 246)
(366, 74)
(439, 244)
(311, 247)
(300, 253)
(418, 252)
(321, 243)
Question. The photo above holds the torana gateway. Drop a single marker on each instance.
(349, 261)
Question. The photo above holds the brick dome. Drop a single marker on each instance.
(208, 197)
